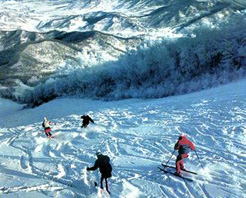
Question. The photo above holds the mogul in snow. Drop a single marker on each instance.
(104, 166)
(86, 120)
(46, 125)
(183, 146)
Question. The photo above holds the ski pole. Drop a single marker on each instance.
(170, 157)
(199, 159)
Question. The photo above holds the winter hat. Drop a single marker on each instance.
(98, 153)
(182, 135)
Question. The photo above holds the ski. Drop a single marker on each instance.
(102, 190)
(185, 178)
(181, 170)
(51, 137)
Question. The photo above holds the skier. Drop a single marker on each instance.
(46, 125)
(104, 166)
(183, 146)
(86, 120)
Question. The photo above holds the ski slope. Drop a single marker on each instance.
(138, 135)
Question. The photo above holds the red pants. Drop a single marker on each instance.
(179, 162)
(47, 130)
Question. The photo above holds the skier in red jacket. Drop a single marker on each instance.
(183, 145)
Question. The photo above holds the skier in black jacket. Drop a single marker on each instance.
(104, 166)
(86, 120)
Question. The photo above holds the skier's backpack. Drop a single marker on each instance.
(43, 124)
(184, 149)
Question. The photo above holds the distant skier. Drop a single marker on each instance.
(86, 120)
(46, 125)
(104, 166)
(183, 145)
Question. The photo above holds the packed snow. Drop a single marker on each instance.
(137, 135)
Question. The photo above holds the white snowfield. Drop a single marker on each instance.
(138, 135)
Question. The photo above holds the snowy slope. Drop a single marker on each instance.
(45, 39)
(137, 135)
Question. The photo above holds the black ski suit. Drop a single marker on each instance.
(105, 168)
(86, 120)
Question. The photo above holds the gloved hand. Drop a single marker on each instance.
(87, 168)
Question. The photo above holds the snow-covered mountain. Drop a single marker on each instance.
(125, 18)
(52, 42)
(138, 135)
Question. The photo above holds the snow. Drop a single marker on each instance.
(123, 17)
(56, 48)
(7, 107)
(137, 135)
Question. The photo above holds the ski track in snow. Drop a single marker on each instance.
(138, 135)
